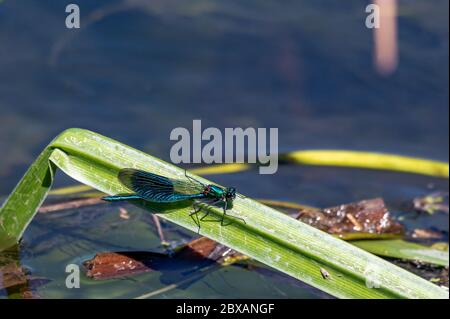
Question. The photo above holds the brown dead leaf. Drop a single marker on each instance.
(367, 216)
(425, 234)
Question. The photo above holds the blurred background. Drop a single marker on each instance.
(136, 69)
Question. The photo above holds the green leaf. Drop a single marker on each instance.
(404, 250)
(268, 236)
(20, 207)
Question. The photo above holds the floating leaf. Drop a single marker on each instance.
(398, 248)
(368, 160)
(364, 217)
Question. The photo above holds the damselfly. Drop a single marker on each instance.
(160, 189)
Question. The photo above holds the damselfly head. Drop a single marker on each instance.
(230, 193)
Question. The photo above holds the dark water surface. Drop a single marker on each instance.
(137, 69)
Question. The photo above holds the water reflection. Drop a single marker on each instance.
(385, 37)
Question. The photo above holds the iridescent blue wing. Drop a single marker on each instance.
(157, 188)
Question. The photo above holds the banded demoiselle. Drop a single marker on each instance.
(160, 189)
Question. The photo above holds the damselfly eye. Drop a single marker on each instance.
(231, 193)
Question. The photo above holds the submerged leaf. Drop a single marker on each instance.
(433, 203)
(110, 265)
(121, 264)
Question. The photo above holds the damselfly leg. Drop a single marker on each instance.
(225, 213)
(197, 208)
(205, 207)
